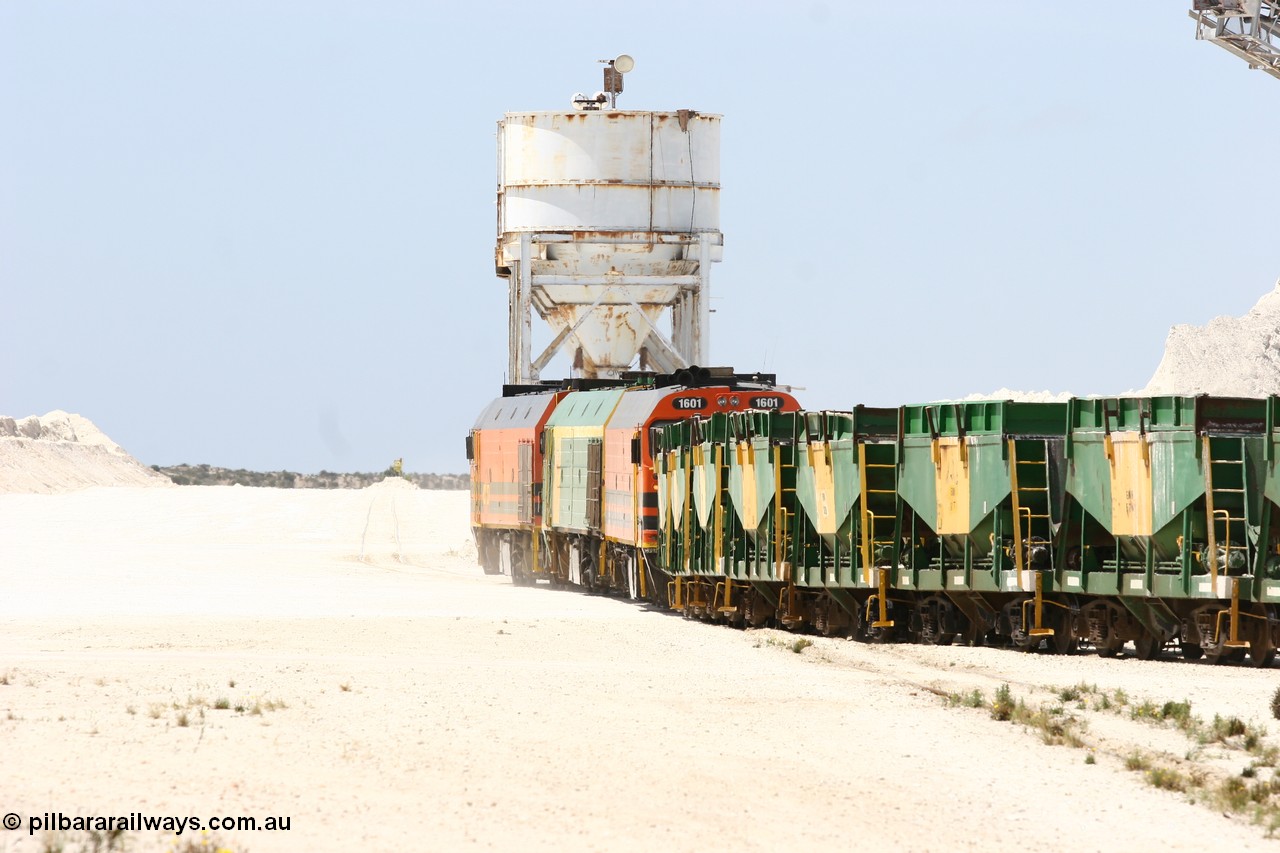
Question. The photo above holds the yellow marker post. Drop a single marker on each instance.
(883, 598)
(1038, 630)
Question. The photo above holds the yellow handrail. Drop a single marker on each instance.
(1017, 510)
(1226, 532)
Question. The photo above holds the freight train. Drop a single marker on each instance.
(1149, 523)
(562, 473)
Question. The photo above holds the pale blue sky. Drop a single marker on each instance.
(261, 234)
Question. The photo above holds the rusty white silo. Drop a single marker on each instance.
(606, 219)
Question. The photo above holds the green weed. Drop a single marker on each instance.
(1233, 794)
(1166, 779)
(1179, 712)
(1003, 706)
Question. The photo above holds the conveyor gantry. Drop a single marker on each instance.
(1248, 28)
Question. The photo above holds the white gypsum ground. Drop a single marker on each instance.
(403, 700)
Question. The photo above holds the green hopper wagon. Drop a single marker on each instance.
(847, 532)
(1170, 531)
(981, 484)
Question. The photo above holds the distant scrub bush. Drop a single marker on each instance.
(207, 475)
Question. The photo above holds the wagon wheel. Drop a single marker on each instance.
(836, 627)
(1110, 645)
(489, 560)
(946, 622)
(959, 628)
(1220, 652)
(1261, 651)
(930, 614)
(690, 610)
(711, 613)
(754, 612)
(591, 572)
(1217, 652)
(975, 633)
(1190, 651)
(869, 613)
(822, 617)
(518, 576)
(1148, 645)
(858, 631)
(1064, 636)
(1261, 657)
(1019, 636)
(880, 635)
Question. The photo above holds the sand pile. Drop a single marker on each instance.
(391, 484)
(1022, 396)
(1230, 356)
(62, 452)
